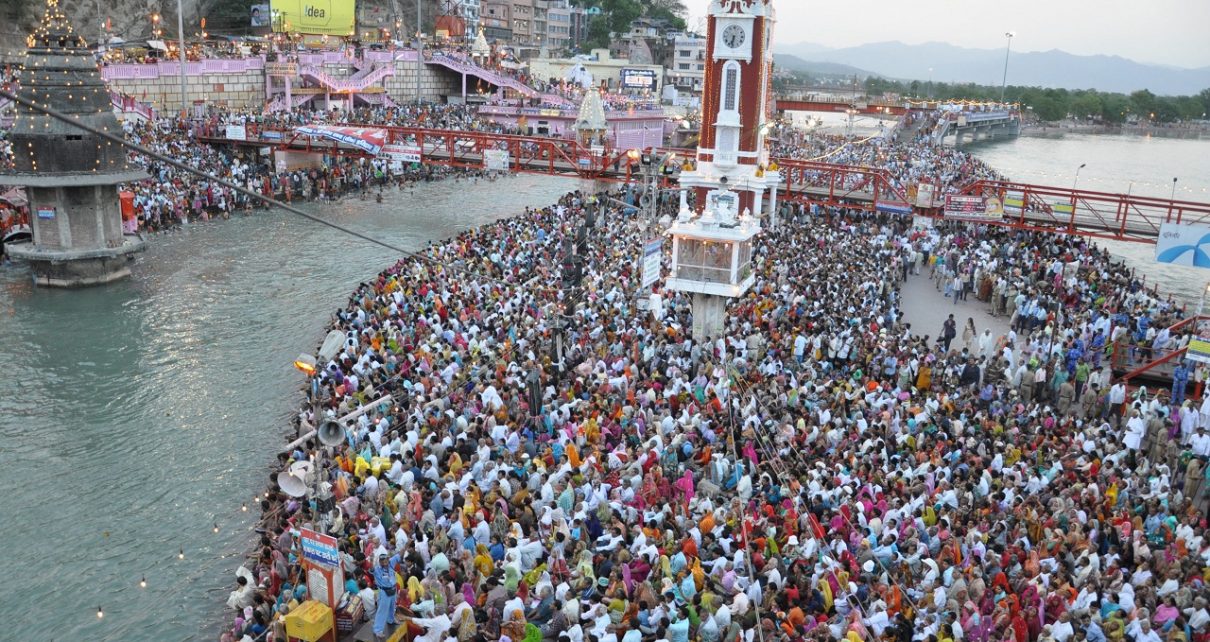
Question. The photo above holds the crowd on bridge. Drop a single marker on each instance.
(822, 471)
(171, 196)
(908, 162)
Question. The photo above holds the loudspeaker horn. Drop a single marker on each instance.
(292, 485)
(302, 468)
(331, 433)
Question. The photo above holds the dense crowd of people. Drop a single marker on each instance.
(822, 470)
(171, 196)
(908, 160)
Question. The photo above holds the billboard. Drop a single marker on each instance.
(639, 79)
(321, 17)
(495, 160)
(1199, 350)
(260, 15)
(1187, 245)
(402, 153)
(977, 209)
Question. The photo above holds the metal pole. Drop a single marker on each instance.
(1077, 180)
(419, 51)
(1004, 81)
(180, 31)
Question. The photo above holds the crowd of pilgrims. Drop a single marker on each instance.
(171, 196)
(909, 157)
(823, 470)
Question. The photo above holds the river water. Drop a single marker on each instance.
(138, 416)
(1119, 164)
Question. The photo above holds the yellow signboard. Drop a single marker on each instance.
(324, 17)
(1199, 350)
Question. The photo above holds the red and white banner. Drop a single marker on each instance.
(368, 139)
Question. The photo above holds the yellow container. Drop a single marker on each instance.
(311, 621)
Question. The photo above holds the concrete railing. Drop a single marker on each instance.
(130, 105)
(166, 68)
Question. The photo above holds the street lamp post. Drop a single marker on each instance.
(1172, 196)
(930, 83)
(1077, 180)
(419, 51)
(180, 32)
(1004, 81)
(1201, 304)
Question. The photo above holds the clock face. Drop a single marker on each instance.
(734, 36)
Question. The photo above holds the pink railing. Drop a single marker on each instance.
(172, 68)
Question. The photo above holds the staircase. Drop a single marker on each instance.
(355, 84)
(383, 99)
(499, 80)
(1144, 367)
(129, 105)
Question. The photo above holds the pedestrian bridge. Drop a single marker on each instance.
(1042, 208)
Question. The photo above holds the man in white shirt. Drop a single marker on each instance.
(1200, 442)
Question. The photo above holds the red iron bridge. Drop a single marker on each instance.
(1062, 210)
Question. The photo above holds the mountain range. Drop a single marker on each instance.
(954, 64)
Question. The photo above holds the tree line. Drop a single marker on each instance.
(1059, 104)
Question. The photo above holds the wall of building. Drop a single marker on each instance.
(242, 85)
(160, 85)
(436, 83)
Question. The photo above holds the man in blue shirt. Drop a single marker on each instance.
(384, 579)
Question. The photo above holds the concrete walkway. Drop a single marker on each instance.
(926, 309)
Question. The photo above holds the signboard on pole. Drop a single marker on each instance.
(1180, 244)
(977, 209)
(653, 254)
(1199, 350)
(495, 160)
(237, 132)
(319, 549)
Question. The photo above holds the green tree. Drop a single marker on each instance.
(599, 34)
(621, 13)
(1086, 105)
(673, 11)
(1114, 108)
(1142, 102)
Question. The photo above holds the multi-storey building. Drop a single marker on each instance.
(538, 36)
(688, 67)
(523, 23)
(558, 25)
(470, 12)
(496, 16)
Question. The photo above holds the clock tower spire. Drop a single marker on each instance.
(736, 106)
(712, 244)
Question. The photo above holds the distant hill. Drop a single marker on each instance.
(794, 63)
(985, 66)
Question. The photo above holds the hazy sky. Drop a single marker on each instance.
(1170, 32)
